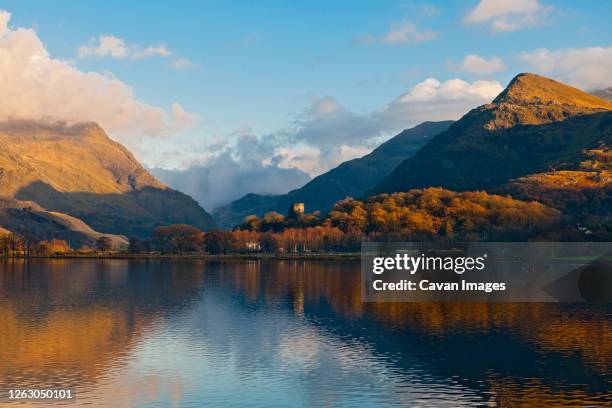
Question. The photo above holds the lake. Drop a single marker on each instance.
(190, 333)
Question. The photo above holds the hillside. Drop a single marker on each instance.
(583, 191)
(535, 125)
(350, 179)
(78, 170)
(28, 219)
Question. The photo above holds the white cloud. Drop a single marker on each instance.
(152, 51)
(114, 47)
(432, 90)
(508, 15)
(108, 46)
(37, 86)
(186, 119)
(320, 138)
(586, 68)
(436, 100)
(400, 33)
(475, 64)
(181, 63)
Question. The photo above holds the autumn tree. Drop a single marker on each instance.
(28, 244)
(53, 246)
(348, 215)
(272, 221)
(269, 242)
(246, 241)
(250, 223)
(15, 243)
(161, 238)
(185, 238)
(218, 242)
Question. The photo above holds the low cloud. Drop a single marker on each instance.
(404, 32)
(508, 15)
(250, 165)
(327, 124)
(586, 68)
(108, 46)
(37, 86)
(475, 64)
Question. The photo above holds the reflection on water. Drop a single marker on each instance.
(284, 333)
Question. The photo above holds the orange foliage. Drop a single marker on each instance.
(435, 212)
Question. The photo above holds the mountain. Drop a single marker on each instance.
(350, 179)
(79, 171)
(29, 219)
(535, 125)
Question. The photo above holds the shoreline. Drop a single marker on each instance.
(228, 257)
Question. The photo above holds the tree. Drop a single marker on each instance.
(104, 244)
(218, 242)
(135, 245)
(28, 245)
(250, 223)
(15, 243)
(268, 242)
(161, 238)
(4, 245)
(245, 241)
(184, 238)
(272, 221)
(178, 238)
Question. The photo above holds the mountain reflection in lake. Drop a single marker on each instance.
(284, 333)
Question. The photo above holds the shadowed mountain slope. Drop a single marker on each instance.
(28, 219)
(78, 170)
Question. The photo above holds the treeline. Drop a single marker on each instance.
(432, 214)
(12, 244)
(184, 239)
(428, 214)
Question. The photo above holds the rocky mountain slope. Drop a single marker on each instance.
(79, 171)
(350, 179)
(535, 125)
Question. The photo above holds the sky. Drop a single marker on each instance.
(235, 97)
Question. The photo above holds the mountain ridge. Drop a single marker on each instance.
(534, 124)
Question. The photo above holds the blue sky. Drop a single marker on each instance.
(288, 77)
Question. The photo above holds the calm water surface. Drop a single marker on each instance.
(284, 333)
